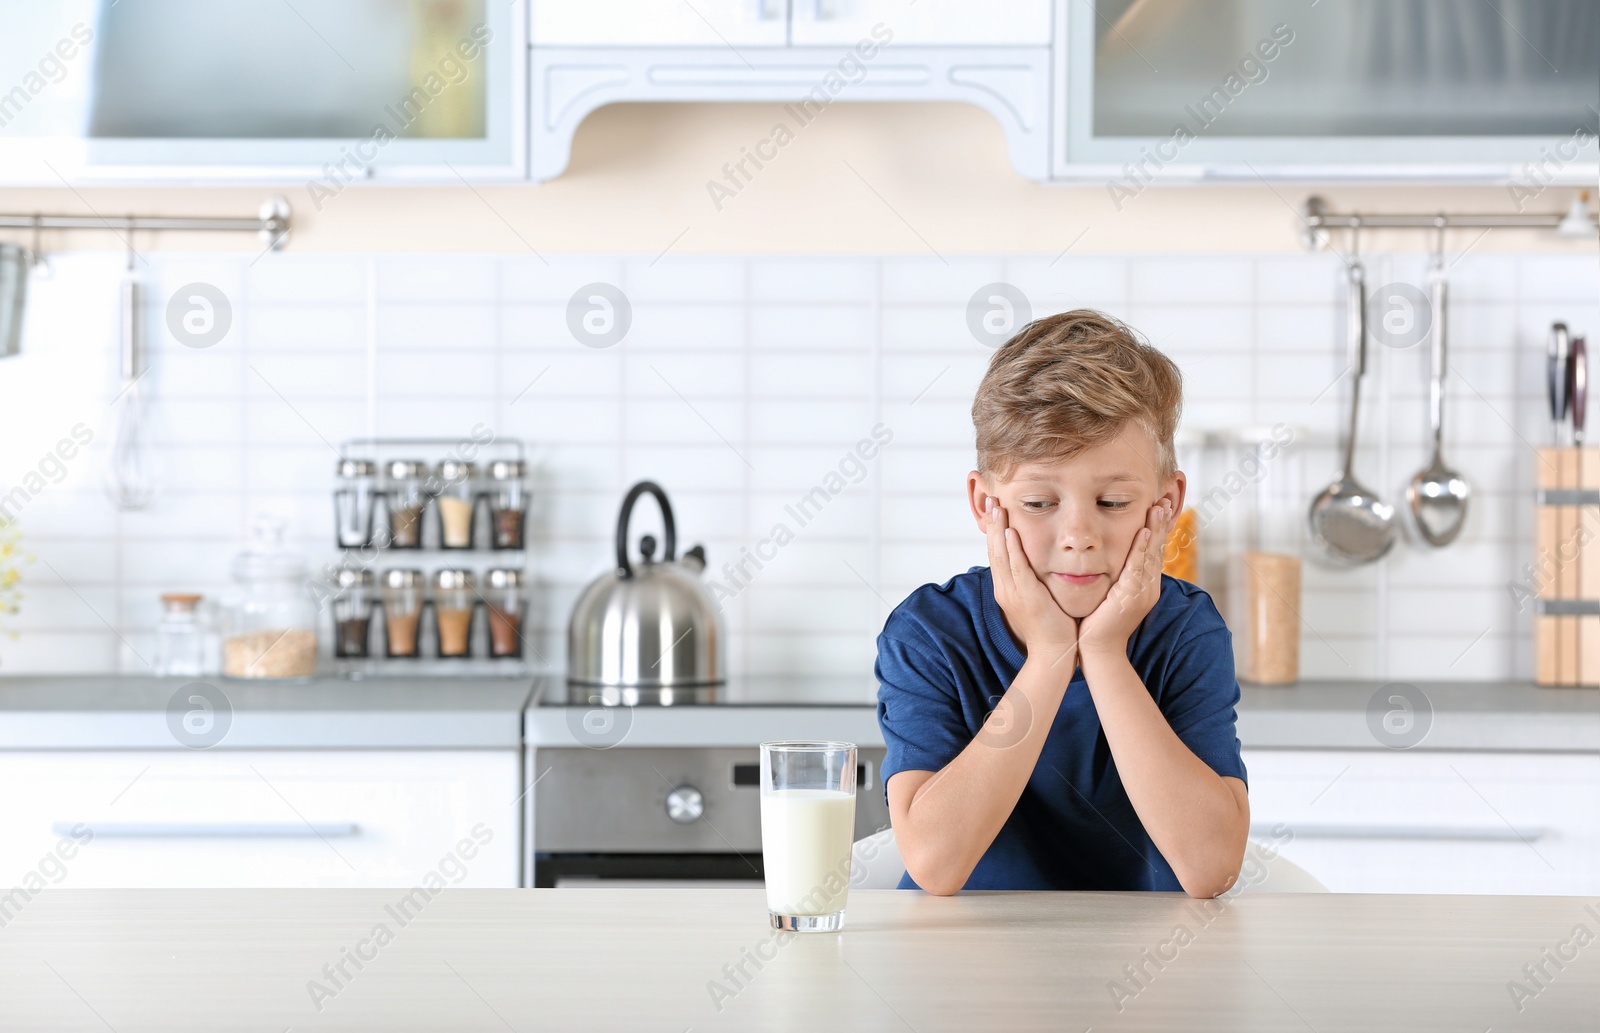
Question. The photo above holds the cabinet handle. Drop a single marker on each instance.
(209, 830)
(761, 10)
(817, 10)
(1439, 832)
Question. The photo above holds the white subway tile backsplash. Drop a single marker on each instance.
(741, 385)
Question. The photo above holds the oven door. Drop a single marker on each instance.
(684, 816)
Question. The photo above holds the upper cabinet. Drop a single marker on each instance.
(925, 23)
(343, 90)
(1122, 92)
(1357, 87)
(653, 23)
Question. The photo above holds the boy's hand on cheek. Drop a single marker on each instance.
(1106, 630)
(1047, 630)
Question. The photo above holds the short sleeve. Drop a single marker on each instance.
(919, 706)
(1200, 697)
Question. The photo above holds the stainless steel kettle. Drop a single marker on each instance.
(648, 631)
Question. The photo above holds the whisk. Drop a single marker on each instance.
(132, 478)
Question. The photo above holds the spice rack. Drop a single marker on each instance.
(1566, 567)
(432, 576)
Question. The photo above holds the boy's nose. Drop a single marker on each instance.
(1077, 534)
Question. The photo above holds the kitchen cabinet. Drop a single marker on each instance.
(1368, 88)
(645, 23)
(261, 818)
(333, 94)
(1365, 821)
(927, 23)
(776, 23)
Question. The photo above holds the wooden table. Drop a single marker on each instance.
(670, 960)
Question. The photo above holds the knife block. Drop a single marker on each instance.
(1566, 567)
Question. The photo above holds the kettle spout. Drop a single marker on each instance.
(695, 559)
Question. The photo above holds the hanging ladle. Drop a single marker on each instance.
(1438, 494)
(1350, 524)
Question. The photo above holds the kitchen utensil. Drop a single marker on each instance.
(131, 479)
(1438, 495)
(1578, 387)
(14, 268)
(1557, 347)
(647, 631)
(1349, 523)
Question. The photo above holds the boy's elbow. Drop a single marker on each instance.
(930, 875)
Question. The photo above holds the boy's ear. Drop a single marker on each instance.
(1177, 490)
(977, 496)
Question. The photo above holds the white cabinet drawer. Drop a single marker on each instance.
(262, 818)
(1433, 822)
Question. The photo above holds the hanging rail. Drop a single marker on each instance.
(1317, 220)
(272, 223)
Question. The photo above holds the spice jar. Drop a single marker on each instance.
(1181, 559)
(1265, 483)
(402, 611)
(352, 612)
(453, 601)
(503, 593)
(270, 623)
(456, 503)
(507, 502)
(184, 645)
(352, 502)
(405, 501)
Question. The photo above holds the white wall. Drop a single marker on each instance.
(742, 383)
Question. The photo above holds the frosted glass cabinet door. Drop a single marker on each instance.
(1359, 81)
(928, 22)
(638, 23)
(360, 85)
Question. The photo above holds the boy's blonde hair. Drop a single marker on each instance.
(1069, 382)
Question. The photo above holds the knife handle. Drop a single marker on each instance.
(1578, 387)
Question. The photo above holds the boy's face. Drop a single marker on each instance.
(1077, 518)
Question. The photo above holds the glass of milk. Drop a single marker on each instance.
(808, 822)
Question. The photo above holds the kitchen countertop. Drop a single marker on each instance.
(130, 713)
(120, 712)
(669, 959)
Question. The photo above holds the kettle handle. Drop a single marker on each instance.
(625, 568)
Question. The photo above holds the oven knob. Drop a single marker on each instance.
(685, 805)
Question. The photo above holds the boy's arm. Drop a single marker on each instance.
(1199, 820)
(944, 821)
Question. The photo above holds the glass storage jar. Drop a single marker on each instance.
(352, 613)
(1264, 484)
(456, 503)
(269, 626)
(453, 603)
(503, 593)
(352, 502)
(507, 502)
(405, 500)
(402, 611)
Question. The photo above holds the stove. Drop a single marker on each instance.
(622, 813)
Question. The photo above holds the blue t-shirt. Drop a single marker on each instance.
(945, 657)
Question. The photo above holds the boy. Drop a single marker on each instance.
(1064, 718)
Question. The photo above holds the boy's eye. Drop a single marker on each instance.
(1035, 505)
(1115, 504)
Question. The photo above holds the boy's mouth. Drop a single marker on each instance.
(1078, 579)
